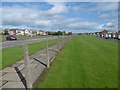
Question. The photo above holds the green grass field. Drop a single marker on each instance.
(13, 54)
(85, 62)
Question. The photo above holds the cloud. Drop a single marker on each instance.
(86, 25)
(45, 23)
(58, 8)
(104, 16)
(52, 19)
(107, 6)
(74, 24)
(105, 12)
(111, 26)
(95, 6)
(18, 16)
(110, 15)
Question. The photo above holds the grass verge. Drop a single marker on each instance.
(13, 54)
(85, 62)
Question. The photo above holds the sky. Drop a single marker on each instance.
(60, 16)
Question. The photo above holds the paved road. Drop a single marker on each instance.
(24, 41)
(112, 40)
(4, 40)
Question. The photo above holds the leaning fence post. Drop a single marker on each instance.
(27, 67)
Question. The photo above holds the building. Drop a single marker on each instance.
(40, 32)
(104, 33)
(13, 31)
(26, 32)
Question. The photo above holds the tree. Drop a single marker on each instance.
(63, 33)
(49, 33)
(59, 33)
(69, 33)
(6, 32)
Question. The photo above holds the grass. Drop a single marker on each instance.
(13, 54)
(85, 62)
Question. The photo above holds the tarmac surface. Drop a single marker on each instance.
(7, 44)
(112, 40)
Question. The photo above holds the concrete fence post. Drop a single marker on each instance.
(27, 67)
(58, 43)
(47, 53)
(63, 42)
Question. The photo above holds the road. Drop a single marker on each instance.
(7, 44)
(112, 40)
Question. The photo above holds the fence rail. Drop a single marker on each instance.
(28, 70)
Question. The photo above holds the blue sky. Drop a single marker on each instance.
(64, 16)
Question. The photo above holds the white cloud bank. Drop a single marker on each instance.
(50, 20)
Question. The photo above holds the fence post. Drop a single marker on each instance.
(47, 53)
(27, 67)
(58, 43)
(62, 42)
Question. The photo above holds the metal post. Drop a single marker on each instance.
(27, 67)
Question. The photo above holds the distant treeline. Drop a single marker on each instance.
(59, 33)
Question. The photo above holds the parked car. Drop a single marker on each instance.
(118, 36)
(11, 37)
(106, 36)
(109, 35)
(114, 35)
